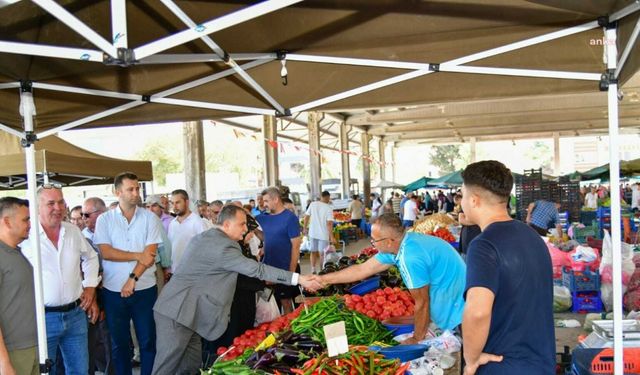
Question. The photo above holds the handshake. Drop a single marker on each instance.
(311, 283)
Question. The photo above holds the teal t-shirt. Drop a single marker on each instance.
(428, 260)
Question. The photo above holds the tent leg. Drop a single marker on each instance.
(27, 110)
(614, 171)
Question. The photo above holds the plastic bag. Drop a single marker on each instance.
(606, 270)
(561, 298)
(306, 244)
(266, 310)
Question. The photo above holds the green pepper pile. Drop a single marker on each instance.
(360, 329)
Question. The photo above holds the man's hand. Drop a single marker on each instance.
(128, 288)
(87, 298)
(147, 259)
(484, 358)
(310, 282)
(93, 313)
(167, 274)
(410, 341)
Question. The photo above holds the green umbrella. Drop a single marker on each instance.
(420, 183)
(627, 168)
(451, 179)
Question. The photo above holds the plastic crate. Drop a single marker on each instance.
(579, 281)
(581, 234)
(586, 302)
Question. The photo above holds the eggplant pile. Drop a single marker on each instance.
(290, 351)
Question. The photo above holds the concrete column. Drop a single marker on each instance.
(194, 164)
(382, 147)
(366, 170)
(394, 169)
(270, 132)
(473, 149)
(344, 156)
(313, 125)
(556, 154)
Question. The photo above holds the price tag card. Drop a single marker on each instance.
(336, 336)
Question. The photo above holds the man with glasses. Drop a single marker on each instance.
(75, 217)
(128, 239)
(431, 269)
(70, 276)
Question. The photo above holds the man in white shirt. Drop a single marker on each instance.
(183, 227)
(635, 197)
(128, 238)
(318, 225)
(70, 276)
(410, 211)
(591, 198)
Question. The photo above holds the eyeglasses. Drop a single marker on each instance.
(87, 214)
(51, 186)
(374, 242)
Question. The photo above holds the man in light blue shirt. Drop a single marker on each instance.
(128, 238)
(433, 271)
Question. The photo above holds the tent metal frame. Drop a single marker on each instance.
(118, 52)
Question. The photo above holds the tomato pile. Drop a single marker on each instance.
(444, 234)
(382, 304)
(253, 337)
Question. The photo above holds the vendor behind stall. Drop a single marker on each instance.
(431, 269)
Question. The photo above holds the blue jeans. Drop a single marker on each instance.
(120, 311)
(69, 331)
(407, 223)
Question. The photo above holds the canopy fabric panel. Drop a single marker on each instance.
(420, 183)
(63, 163)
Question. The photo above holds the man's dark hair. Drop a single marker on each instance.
(117, 181)
(356, 196)
(389, 221)
(229, 212)
(181, 192)
(489, 175)
(252, 200)
(286, 200)
(8, 204)
(325, 194)
(217, 202)
(76, 208)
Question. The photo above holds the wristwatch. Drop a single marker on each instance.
(133, 276)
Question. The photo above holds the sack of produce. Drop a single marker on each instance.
(561, 298)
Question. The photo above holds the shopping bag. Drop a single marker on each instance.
(266, 309)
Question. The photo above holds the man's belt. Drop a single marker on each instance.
(63, 308)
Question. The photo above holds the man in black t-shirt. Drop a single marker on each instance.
(507, 324)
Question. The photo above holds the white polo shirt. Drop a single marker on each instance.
(181, 233)
(61, 266)
(112, 228)
(320, 213)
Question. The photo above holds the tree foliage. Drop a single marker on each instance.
(164, 159)
(446, 157)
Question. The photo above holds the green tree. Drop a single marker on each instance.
(447, 158)
(165, 159)
(540, 156)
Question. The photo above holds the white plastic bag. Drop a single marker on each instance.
(561, 298)
(606, 269)
(306, 244)
(266, 311)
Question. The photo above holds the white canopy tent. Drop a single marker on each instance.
(117, 52)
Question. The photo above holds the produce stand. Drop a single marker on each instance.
(296, 343)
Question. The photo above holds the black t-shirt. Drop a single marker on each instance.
(510, 259)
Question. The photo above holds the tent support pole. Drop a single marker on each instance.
(51, 51)
(28, 110)
(344, 161)
(614, 178)
(119, 23)
(313, 127)
(11, 130)
(628, 48)
(366, 168)
(382, 153)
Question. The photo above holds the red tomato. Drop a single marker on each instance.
(388, 290)
(221, 350)
(381, 300)
(371, 314)
(359, 306)
(392, 297)
(378, 310)
(356, 298)
(236, 341)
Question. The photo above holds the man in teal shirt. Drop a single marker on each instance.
(432, 270)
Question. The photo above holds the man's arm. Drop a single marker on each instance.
(148, 253)
(332, 239)
(90, 269)
(422, 315)
(6, 368)
(559, 229)
(116, 255)
(295, 253)
(476, 321)
(530, 209)
(305, 224)
(356, 272)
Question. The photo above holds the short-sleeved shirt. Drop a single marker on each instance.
(181, 233)
(319, 213)
(511, 260)
(17, 299)
(395, 203)
(545, 215)
(112, 228)
(428, 260)
(278, 231)
(355, 207)
(410, 210)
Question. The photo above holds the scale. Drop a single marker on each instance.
(602, 335)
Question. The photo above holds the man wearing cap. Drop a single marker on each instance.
(154, 203)
(70, 276)
(184, 227)
(214, 210)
